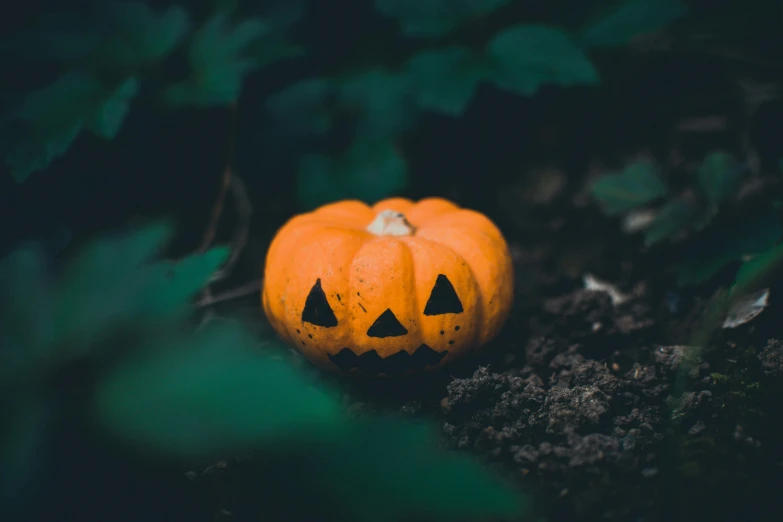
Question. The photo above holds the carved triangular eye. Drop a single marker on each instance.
(316, 309)
(387, 325)
(443, 299)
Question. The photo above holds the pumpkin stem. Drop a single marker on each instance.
(391, 223)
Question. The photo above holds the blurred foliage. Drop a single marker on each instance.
(127, 53)
(690, 213)
(162, 385)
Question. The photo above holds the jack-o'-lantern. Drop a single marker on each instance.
(388, 289)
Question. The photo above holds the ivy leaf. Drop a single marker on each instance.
(49, 119)
(435, 17)
(719, 177)
(429, 483)
(219, 63)
(446, 78)
(369, 171)
(673, 218)
(723, 243)
(629, 19)
(638, 184)
(382, 101)
(305, 107)
(210, 394)
(529, 56)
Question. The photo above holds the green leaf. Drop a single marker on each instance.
(758, 272)
(103, 283)
(719, 177)
(210, 395)
(386, 458)
(217, 57)
(107, 120)
(382, 101)
(114, 283)
(49, 119)
(302, 108)
(171, 285)
(529, 56)
(435, 17)
(446, 78)
(369, 171)
(630, 18)
(638, 184)
(674, 217)
(723, 243)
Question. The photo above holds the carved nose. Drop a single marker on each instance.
(387, 325)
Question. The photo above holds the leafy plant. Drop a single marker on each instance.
(109, 57)
(691, 211)
(168, 388)
(126, 51)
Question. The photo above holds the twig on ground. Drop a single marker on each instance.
(235, 293)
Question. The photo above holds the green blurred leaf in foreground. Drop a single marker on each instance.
(637, 184)
(628, 19)
(370, 170)
(209, 393)
(446, 78)
(49, 119)
(114, 282)
(386, 469)
(525, 57)
(428, 18)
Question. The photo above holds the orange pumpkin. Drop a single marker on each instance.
(390, 289)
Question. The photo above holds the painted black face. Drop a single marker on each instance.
(443, 300)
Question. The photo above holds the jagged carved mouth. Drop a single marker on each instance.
(397, 364)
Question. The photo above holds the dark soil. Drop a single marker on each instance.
(578, 401)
